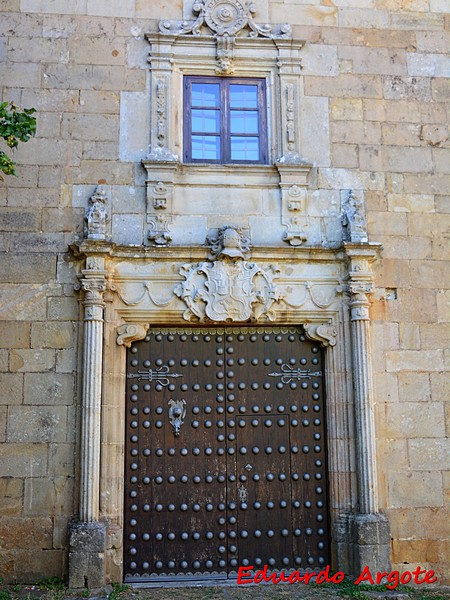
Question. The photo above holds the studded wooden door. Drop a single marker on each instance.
(225, 457)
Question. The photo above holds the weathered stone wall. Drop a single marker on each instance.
(374, 101)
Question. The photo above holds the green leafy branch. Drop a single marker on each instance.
(15, 126)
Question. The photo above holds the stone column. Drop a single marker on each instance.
(363, 396)
(369, 529)
(88, 536)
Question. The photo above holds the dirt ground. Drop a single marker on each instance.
(56, 591)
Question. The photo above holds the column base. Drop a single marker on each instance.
(87, 546)
(371, 543)
(362, 541)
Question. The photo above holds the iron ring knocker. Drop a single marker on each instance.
(177, 413)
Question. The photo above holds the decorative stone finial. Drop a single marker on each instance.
(96, 216)
(353, 220)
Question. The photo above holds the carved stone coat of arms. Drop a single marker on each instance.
(227, 290)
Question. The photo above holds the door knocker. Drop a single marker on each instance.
(177, 412)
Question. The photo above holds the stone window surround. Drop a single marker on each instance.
(277, 61)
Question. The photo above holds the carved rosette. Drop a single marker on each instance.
(226, 290)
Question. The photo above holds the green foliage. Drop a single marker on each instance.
(15, 126)
(118, 589)
(5, 595)
(51, 583)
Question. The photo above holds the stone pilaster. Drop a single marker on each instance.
(88, 536)
(369, 530)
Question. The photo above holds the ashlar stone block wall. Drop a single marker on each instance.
(375, 79)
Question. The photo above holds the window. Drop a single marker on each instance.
(225, 120)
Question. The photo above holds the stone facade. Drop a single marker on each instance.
(105, 231)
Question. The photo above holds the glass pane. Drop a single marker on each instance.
(206, 147)
(243, 96)
(205, 94)
(245, 148)
(244, 121)
(205, 121)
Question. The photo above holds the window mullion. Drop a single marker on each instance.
(226, 141)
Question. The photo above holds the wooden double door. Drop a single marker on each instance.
(225, 454)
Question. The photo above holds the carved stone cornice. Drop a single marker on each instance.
(131, 332)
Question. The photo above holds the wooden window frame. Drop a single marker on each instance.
(225, 134)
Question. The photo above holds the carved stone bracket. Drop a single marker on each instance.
(324, 333)
(159, 232)
(294, 233)
(130, 332)
(225, 19)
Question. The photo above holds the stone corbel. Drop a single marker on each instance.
(323, 333)
(131, 332)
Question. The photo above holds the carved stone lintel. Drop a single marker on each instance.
(96, 216)
(131, 332)
(323, 333)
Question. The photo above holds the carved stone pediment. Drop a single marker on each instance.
(225, 20)
(228, 290)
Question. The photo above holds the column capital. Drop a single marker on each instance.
(360, 257)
